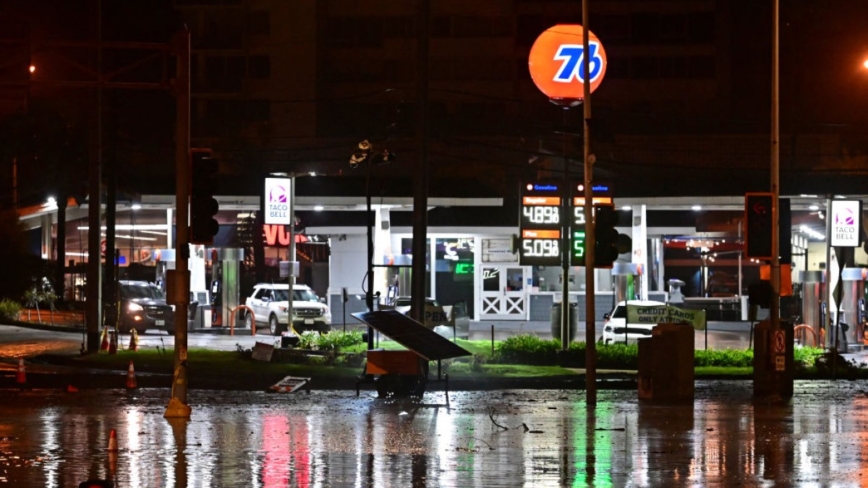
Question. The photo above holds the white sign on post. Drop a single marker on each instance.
(277, 201)
(846, 223)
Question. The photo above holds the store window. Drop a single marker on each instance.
(453, 266)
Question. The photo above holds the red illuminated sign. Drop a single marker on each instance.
(556, 61)
(278, 235)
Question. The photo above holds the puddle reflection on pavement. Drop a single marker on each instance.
(486, 439)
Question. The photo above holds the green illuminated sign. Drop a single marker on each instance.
(463, 268)
(577, 256)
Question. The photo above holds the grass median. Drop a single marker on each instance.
(342, 358)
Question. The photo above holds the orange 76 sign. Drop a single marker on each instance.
(556, 61)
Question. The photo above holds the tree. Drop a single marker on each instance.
(19, 267)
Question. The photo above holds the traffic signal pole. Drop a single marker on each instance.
(775, 306)
(590, 224)
(177, 407)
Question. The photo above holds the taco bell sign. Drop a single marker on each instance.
(277, 201)
(846, 223)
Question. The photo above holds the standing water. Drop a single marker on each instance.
(486, 439)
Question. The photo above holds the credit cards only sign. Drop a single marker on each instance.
(658, 314)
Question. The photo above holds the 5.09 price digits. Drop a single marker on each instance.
(579, 215)
(540, 247)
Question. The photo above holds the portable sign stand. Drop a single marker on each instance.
(289, 384)
(404, 373)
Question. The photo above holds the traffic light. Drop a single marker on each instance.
(785, 231)
(203, 205)
(758, 218)
(606, 236)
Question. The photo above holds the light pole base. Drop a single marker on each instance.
(176, 409)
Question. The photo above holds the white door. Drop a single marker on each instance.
(504, 294)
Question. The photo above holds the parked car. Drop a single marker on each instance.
(269, 302)
(617, 330)
(143, 306)
(449, 321)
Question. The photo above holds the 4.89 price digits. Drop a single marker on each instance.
(541, 214)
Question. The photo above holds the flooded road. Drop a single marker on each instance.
(485, 439)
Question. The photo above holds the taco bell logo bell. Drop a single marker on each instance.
(277, 194)
(277, 204)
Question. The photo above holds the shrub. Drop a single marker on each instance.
(807, 356)
(476, 363)
(737, 358)
(527, 349)
(531, 350)
(9, 309)
(330, 341)
(617, 356)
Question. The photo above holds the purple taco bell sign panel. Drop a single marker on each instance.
(278, 201)
(846, 223)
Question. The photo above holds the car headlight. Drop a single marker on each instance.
(282, 309)
(135, 307)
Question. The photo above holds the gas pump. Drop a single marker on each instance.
(624, 279)
(863, 323)
(675, 295)
(216, 297)
(852, 299)
(225, 284)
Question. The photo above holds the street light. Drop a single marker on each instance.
(366, 154)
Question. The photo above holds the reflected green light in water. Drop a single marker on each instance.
(593, 450)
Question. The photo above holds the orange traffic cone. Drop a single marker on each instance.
(104, 343)
(131, 378)
(21, 376)
(113, 441)
(113, 343)
(134, 340)
(113, 463)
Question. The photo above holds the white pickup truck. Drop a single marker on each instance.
(269, 302)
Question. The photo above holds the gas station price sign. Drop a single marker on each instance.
(540, 213)
(540, 225)
(540, 248)
(577, 240)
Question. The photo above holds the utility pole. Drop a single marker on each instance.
(181, 279)
(420, 195)
(590, 223)
(775, 306)
(93, 310)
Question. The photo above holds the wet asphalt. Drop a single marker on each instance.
(512, 438)
(501, 437)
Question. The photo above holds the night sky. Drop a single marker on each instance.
(824, 88)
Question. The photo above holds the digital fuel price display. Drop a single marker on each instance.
(540, 248)
(542, 221)
(577, 242)
(540, 213)
(540, 224)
